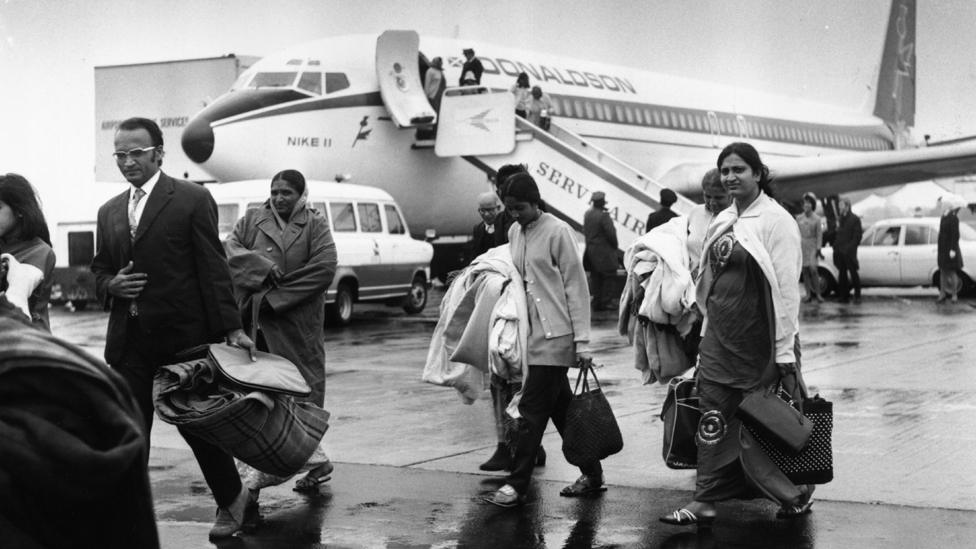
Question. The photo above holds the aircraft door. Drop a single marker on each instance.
(398, 74)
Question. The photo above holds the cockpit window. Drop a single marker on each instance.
(273, 80)
(335, 81)
(311, 82)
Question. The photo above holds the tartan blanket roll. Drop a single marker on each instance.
(270, 432)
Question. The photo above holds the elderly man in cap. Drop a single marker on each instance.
(600, 257)
(660, 217)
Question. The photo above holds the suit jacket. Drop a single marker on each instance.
(481, 241)
(847, 237)
(657, 218)
(188, 298)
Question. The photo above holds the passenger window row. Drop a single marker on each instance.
(715, 123)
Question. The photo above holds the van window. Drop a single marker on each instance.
(320, 207)
(393, 220)
(254, 205)
(343, 218)
(369, 218)
(226, 217)
(81, 248)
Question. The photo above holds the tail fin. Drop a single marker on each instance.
(895, 100)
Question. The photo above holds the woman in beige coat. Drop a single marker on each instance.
(282, 259)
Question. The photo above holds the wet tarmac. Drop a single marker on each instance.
(898, 367)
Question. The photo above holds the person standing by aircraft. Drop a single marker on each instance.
(472, 69)
(545, 254)
(949, 255)
(715, 198)
(600, 255)
(24, 235)
(846, 240)
(541, 109)
(811, 238)
(434, 83)
(747, 290)
(161, 271)
(490, 232)
(523, 95)
(666, 198)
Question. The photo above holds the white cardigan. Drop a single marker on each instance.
(770, 235)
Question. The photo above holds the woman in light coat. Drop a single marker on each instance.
(282, 259)
(545, 254)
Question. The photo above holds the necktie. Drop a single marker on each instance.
(133, 204)
(133, 225)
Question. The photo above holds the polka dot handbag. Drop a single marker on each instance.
(814, 464)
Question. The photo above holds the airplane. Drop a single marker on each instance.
(348, 105)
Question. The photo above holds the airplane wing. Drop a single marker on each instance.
(837, 174)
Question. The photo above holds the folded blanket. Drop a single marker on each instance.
(270, 432)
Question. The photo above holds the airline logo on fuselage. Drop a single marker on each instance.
(547, 73)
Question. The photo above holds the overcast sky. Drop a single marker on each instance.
(823, 50)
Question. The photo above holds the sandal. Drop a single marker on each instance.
(801, 508)
(310, 482)
(506, 497)
(585, 485)
(684, 517)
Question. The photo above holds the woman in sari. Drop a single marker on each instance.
(748, 291)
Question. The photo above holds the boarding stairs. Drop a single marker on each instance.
(479, 124)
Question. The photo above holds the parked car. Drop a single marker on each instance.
(902, 252)
(378, 259)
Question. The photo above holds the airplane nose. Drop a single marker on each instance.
(198, 139)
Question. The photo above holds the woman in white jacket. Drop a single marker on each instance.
(748, 290)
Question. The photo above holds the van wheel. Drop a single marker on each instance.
(416, 298)
(340, 312)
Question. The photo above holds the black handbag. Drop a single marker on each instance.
(814, 464)
(680, 415)
(765, 411)
(591, 432)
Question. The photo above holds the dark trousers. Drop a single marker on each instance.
(601, 288)
(139, 364)
(501, 395)
(847, 265)
(546, 396)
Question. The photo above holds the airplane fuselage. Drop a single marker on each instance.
(669, 128)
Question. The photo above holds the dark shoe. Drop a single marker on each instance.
(684, 517)
(231, 518)
(584, 486)
(310, 482)
(540, 457)
(506, 496)
(501, 460)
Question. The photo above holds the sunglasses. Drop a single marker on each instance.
(134, 154)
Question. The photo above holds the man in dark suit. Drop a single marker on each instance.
(949, 255)
(490, 232)
(600, 255)
(846, 240)
(161, 271)
(663, 215)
